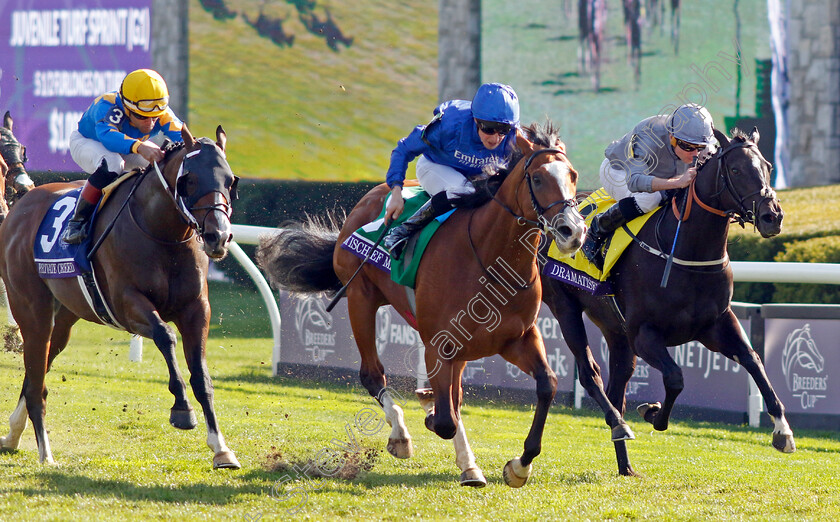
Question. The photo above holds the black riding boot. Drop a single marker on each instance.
(76, 231)
(605, 224)
(397, 238)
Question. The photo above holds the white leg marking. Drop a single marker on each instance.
(464, 457)
(17, 423)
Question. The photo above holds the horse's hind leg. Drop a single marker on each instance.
(362, 306)
(64, 320)
(529, 355)
(651, 347)
(729, 339)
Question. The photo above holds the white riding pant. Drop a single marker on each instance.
(615, 182)
(434, 178)
(88, 154)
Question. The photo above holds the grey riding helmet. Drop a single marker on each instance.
(692, 123)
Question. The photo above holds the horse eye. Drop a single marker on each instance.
(537, 180)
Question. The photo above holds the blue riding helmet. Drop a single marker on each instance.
(692, 123)
(496, 102)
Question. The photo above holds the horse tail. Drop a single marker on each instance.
(300, 258)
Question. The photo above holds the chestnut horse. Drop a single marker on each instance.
(465, 308)
(155, 236)
(694, 305)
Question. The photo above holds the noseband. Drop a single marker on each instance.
(542, 222)
(741, 214)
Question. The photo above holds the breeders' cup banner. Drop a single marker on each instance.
(319, 338)
(56, 56)
(801, 357)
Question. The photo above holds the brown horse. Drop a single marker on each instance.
(644, 318)
(151, 267)
(12, 158)
(466, 308)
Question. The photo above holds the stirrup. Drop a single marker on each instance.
(75, 233)
(397, 248)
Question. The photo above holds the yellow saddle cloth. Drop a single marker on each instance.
(584, 274)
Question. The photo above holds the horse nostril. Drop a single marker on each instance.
(211, 237)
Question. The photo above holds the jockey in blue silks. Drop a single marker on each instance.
(462, 138)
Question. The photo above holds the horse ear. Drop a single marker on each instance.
(721, 137)
(189, 141)
(525, 146)
(754, 135)
(7, 120)
(221, 137)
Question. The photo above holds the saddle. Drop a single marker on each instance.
(403, 270)
(576, 269)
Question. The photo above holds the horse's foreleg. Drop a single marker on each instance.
(445, 423)
(589, 373)
(181, 415)
(728, 338)
(362, 309)
(529, 355)
(651, 347)
(194, 323)
(622, 364)
(471, 474)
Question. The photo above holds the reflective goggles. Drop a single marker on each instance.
(159, 104)
(689, 147)
(493, 127)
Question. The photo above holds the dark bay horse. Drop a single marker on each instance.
(12, 159)
(695, 305)
(151, 266)
(466, 307)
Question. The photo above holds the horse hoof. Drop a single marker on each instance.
(430, 422)
(474, 478)
(515, 474)
(622, 432)
(182, 419)
(784, 443)
(225, 460)
(7, 446)
(648, 411)
(400, 448)
(426, 396)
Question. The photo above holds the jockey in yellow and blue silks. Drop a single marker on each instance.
(113, 137)
(462, 138)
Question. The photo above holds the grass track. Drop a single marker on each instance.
(119, 459)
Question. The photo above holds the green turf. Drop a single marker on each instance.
(118, 458)
(307, 112)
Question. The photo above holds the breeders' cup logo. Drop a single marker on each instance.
(383, 328)
(803, 365)
(314, 325)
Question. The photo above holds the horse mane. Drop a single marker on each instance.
(738, 134)
(545, 135)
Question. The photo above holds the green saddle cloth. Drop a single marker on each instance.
(404, 270)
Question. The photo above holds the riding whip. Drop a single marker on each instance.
(343, 289)
(670, 261)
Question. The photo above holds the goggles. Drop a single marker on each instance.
(157, 105)
(493, 127)
(688, 147)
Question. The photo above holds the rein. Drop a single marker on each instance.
(541, 222)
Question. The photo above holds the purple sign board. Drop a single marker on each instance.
(800, 359)
(56, 56)
(320, 338)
